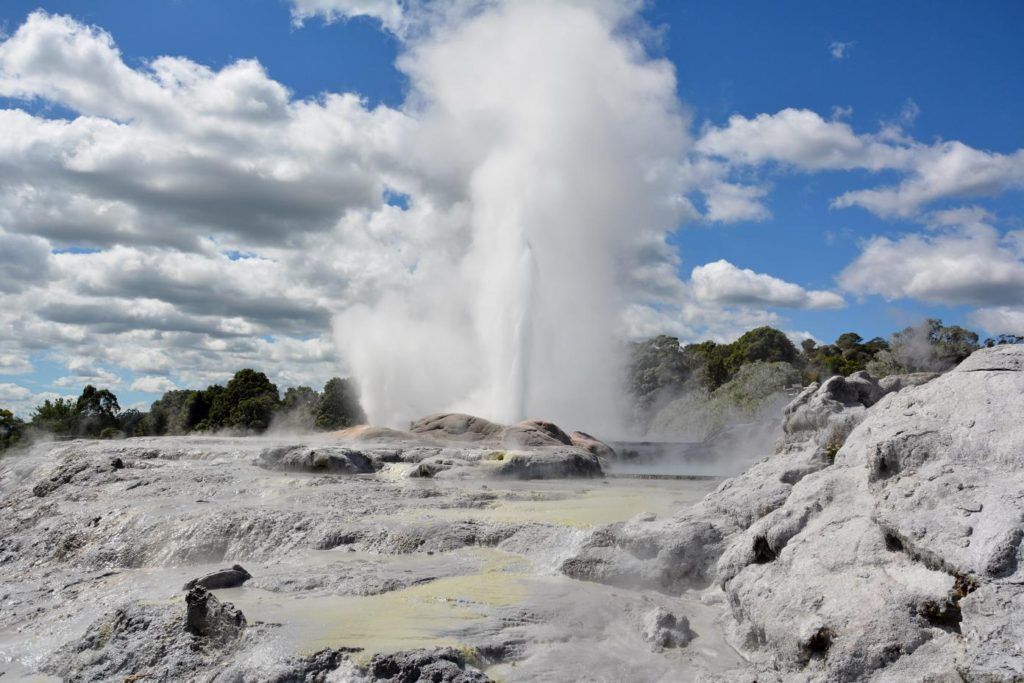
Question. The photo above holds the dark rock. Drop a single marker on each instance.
(225, 578)
(208, 617)
(437, 665)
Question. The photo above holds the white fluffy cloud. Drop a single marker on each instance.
(173, 151)
(954, 263)
(153, 384)
(960, 260)
(388, 12)
(802, 139)
(1000, 319)
(21, 400)
(723, 283)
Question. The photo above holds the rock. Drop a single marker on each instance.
(899, 555)
(437, 665)
(208, 617)
(893, 383)
(603, 451)
(548, 464)
(455, 427)
(533, 434)
(663, 629)
(823, 415)
(225, 578)
(327, 459)
(872, 556)
(151, 641)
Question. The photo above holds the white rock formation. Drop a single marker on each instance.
(900, 560)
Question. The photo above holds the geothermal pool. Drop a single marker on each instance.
(378, 562)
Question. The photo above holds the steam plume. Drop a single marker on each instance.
(557, 139)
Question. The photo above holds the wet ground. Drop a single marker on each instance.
(379, 562)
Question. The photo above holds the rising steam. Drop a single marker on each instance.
(557, 139)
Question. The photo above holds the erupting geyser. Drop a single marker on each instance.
(554, 140)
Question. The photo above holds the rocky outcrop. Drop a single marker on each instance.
(824, 414)
(323, 459)
(897, 556)
(456, 427)
(524, 435)
(208, 617)
(155, 641)
(437, 665)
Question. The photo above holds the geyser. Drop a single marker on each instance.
(553, 144)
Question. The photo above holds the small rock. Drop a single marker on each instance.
(224, 578)
(663, 629)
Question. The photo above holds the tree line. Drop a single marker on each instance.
(661, 369)
(248, 404)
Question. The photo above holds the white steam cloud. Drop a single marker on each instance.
(557, 141)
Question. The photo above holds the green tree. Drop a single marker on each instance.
(721, 362)
(247, 402)
(12, 430)
(658, 368)
(339, 405)
(932, 346)
(130, 422)
(298, 409)
(849, 354)
(97, 410)
(56, 417)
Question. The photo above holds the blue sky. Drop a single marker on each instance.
(933, 71)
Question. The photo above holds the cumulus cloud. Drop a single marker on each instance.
(723, 283)
(999, 319)
(174, 150)
(24, 261)
(388, 12)
(152, 384)
(802, 139)
(22, 401)
(960, 260)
